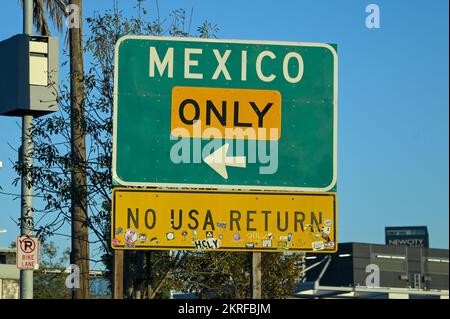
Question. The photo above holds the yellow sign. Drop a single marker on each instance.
(226, 113)
(223, 220)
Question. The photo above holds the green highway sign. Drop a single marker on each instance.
(220, 114)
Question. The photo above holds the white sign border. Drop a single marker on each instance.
(116, 178)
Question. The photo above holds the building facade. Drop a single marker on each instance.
(99, 285)
(377, 271)
(414, 236)
(9, 274)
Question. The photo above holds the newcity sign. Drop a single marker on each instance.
(223, 220)
(243, 115)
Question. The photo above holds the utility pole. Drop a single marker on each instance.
(80, 239)
(256, 276)
(26, 220)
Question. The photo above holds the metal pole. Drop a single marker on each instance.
(256, 276)
(28, 17)
(26, 276)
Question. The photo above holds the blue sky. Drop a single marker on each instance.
(393, 151)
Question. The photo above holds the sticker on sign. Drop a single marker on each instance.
(225, 114)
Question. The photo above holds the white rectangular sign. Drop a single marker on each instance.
(27, 253)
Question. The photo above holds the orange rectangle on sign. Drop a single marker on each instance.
(226, 113)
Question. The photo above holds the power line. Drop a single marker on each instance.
(18, 195)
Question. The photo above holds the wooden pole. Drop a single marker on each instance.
(256, 276)
(118, 274)
(79, 201)
(139, 275)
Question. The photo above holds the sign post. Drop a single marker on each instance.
(26, 220)
(118, 274)
(256, 276)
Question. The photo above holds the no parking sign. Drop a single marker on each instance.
(27, 253)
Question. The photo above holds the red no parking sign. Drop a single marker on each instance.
(27, 252)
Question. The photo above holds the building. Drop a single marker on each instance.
(361, 270)
(9, 274)
(99, 285)
(10, 278)
(412, 236)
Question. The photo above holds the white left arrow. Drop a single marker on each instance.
(219, 161)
